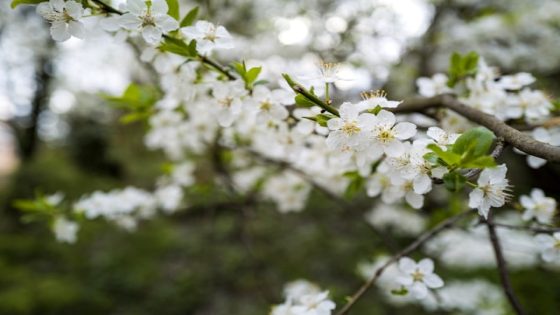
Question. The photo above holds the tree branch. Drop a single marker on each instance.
(535, 229)
(513, 136)
(426, 236)
(502, 266)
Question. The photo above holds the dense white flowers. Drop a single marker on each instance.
(549, 246)
(150, 18)
(208, 37)
(491, 190)
(64, 18)
(538, 206)
(418, 277)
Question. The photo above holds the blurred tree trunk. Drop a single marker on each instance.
(28, 133)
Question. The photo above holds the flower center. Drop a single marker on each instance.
(266, 106)
(386, 135)
(417, 276)
(148, 20)
(226, 102)
(557, 245)
(211, 35)
(350, 128)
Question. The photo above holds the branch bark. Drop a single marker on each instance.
(502, 266)
(511, 135)
(426, 236)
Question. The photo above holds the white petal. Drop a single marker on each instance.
(136, 7)
(419, 290)
(405, 280)
(426, 265)
(167, 23)
(152, 35)
(58, 5)
(415, 200)
(130, 21)
(386, 118)
(77, 29)
(74, 9)
(407, 265)
(422, 184)
(59, 31)
(394, 148)
(335, 123)
(433, 281)
(159, 7)
(44, 8)
(405, 130)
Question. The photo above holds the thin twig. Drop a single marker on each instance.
(426, 236)
(502, 266)
(518, 139)
(535, 229)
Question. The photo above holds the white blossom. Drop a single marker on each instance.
(538, 206)
(208, 37)
(549, 246)
(64, 18)
(418, 277)
(386, 134)
(491, 190)
(65, 230)
(150, 18)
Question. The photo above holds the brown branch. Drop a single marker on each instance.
(535, 229)
(513, 136)
(502, 266)
(426, 236)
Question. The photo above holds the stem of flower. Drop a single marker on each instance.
(303, 91)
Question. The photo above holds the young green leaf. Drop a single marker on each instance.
(15, 3)
(473, 143)
(179, 47)
(173, 9)
(480, 162)
(454, 181)
(461, 67)
(448, 157)
(252, 75)
(189, 19)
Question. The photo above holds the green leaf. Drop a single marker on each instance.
(473, 143)
(322, 119)
(248, 76)
(188, 20)
(454, 181)
(138, 100)
(15, 3)
(179, 47)
(375, 110)
(480, 162)
(462, 66)
(252, 75)
(302, 101)
(173, 9)
(402, 291)
(448, 157)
